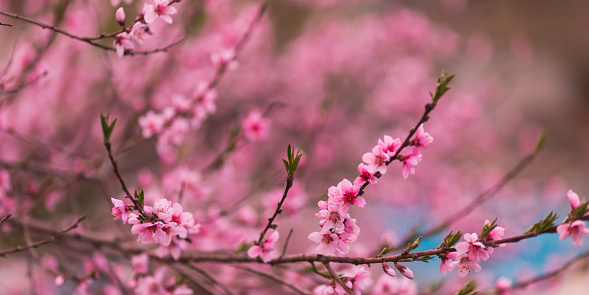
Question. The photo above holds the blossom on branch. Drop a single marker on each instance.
(576, 230)
(265, 249)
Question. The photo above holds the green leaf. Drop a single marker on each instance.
(544, 224)
(487, 229)
(387, 250)
(451, 239)
(579, 212)
(542, 141)
(442, 87)
(286, 165)
(468, 289)
(243, 247)
(140, 198)
(414, 245)
(106, 127)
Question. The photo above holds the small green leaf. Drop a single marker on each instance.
(107, 127)
(286, 165)
(451, 239)
(243, 247)
(442, 87)
(487, 229)
(542, 141)
(414, 245)
(140, 198)
(579, 212)
(544, 224)
(468, 289)
(386, 250)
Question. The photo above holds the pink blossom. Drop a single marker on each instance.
(390, 145)
(160, 8)
(5, 184)
(472, 247)
(255, 126)
(503, 285)
(330, 216)
(265, 249)
(347, 194)
(152, 123)
(445, 265)
(366, 174)
(120, 210)
(120, 17)
(575, 229)
(329, 243)
(59, 280)
(356, 278)
(422, 139)
(463, 263)
(140, 263)
(140, 32)
(574, 199)
(224, 58)
(377, 158)
(163, 209)
(122, 42)
(410, 161)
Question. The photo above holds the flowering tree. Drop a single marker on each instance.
(173, 117)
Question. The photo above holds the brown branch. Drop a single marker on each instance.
(209, 277)
(336, 278)
(5, 218)
(89, 40)
(286, 243)
(122, 181)
(44, 242)
(278, 211)
(7, 25)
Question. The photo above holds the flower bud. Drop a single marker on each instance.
(120, 17)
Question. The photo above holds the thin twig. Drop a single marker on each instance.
(89, 40)
(44, 242)
(337, 279)
(122, 181)
(286, 242)
(272, 277)
(210, 277)
(5, 218)
(276, 212)
(202, 285)
(7, 25)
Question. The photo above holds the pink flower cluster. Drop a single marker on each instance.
(469, 254)
(164, 222)
(264, 250)
(338, 229)
(575, 229)
(356, 279)
(175, 121)
(140, 29)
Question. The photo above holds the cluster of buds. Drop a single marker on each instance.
(338, 229)
(161, 224)
(140, 30)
